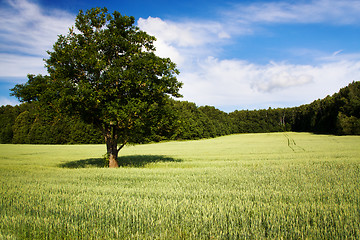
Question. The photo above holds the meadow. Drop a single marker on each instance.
(246, 186)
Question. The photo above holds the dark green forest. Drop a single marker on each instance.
(337, 114)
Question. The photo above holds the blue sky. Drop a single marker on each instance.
(231, 54)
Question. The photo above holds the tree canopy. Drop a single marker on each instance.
(106, 72)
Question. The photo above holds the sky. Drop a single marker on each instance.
(233, 55)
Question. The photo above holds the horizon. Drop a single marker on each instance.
(233, 55)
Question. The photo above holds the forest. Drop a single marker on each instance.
(338, 114)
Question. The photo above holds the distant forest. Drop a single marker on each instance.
(337, 114)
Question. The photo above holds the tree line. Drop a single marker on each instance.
(336, 114)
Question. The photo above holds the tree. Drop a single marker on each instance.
(8, 115)
(106, 72)
(21, 127)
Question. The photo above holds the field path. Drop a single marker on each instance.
(292, 144)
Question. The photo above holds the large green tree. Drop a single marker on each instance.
(105, 71)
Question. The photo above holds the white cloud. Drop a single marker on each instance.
(337, 53)
(168, 51)
(12, 65)
(184, 34)
(239, 83)
(184, 42)
(315, 11)
(276, 76)
(282, 80)
(7, 101)
(340, 55)
(27, 31)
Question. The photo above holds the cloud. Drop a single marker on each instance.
(337, 53)
(184, 41)
(282, 80)
(183, 34)
(27, 31)
(340, 55)
(248, 85)
(275, 77)
(7, 101)
(13, 65)
(316, 11)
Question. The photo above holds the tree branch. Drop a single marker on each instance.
(122, 146)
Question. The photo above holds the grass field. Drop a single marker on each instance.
(248, 186)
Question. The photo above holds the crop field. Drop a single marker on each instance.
(247, 186)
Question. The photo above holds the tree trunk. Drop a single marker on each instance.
(113, 160)
(111, 146)
(112, 152)
(111, 136)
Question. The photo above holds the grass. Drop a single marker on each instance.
(248, 186)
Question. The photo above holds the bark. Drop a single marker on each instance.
(111, 146)
(111, 140)
(113, 160)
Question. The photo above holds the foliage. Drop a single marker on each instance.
(105, 72)
(257, 121)
(348, 125)
(8, 115)
(246, 186)
(333, 114)
(337, 114)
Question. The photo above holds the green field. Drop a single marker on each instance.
(248, 186)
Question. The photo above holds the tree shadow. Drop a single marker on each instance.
(143, 160)
(124, 161)
(86, 163)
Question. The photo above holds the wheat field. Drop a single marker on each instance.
(246, 186)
